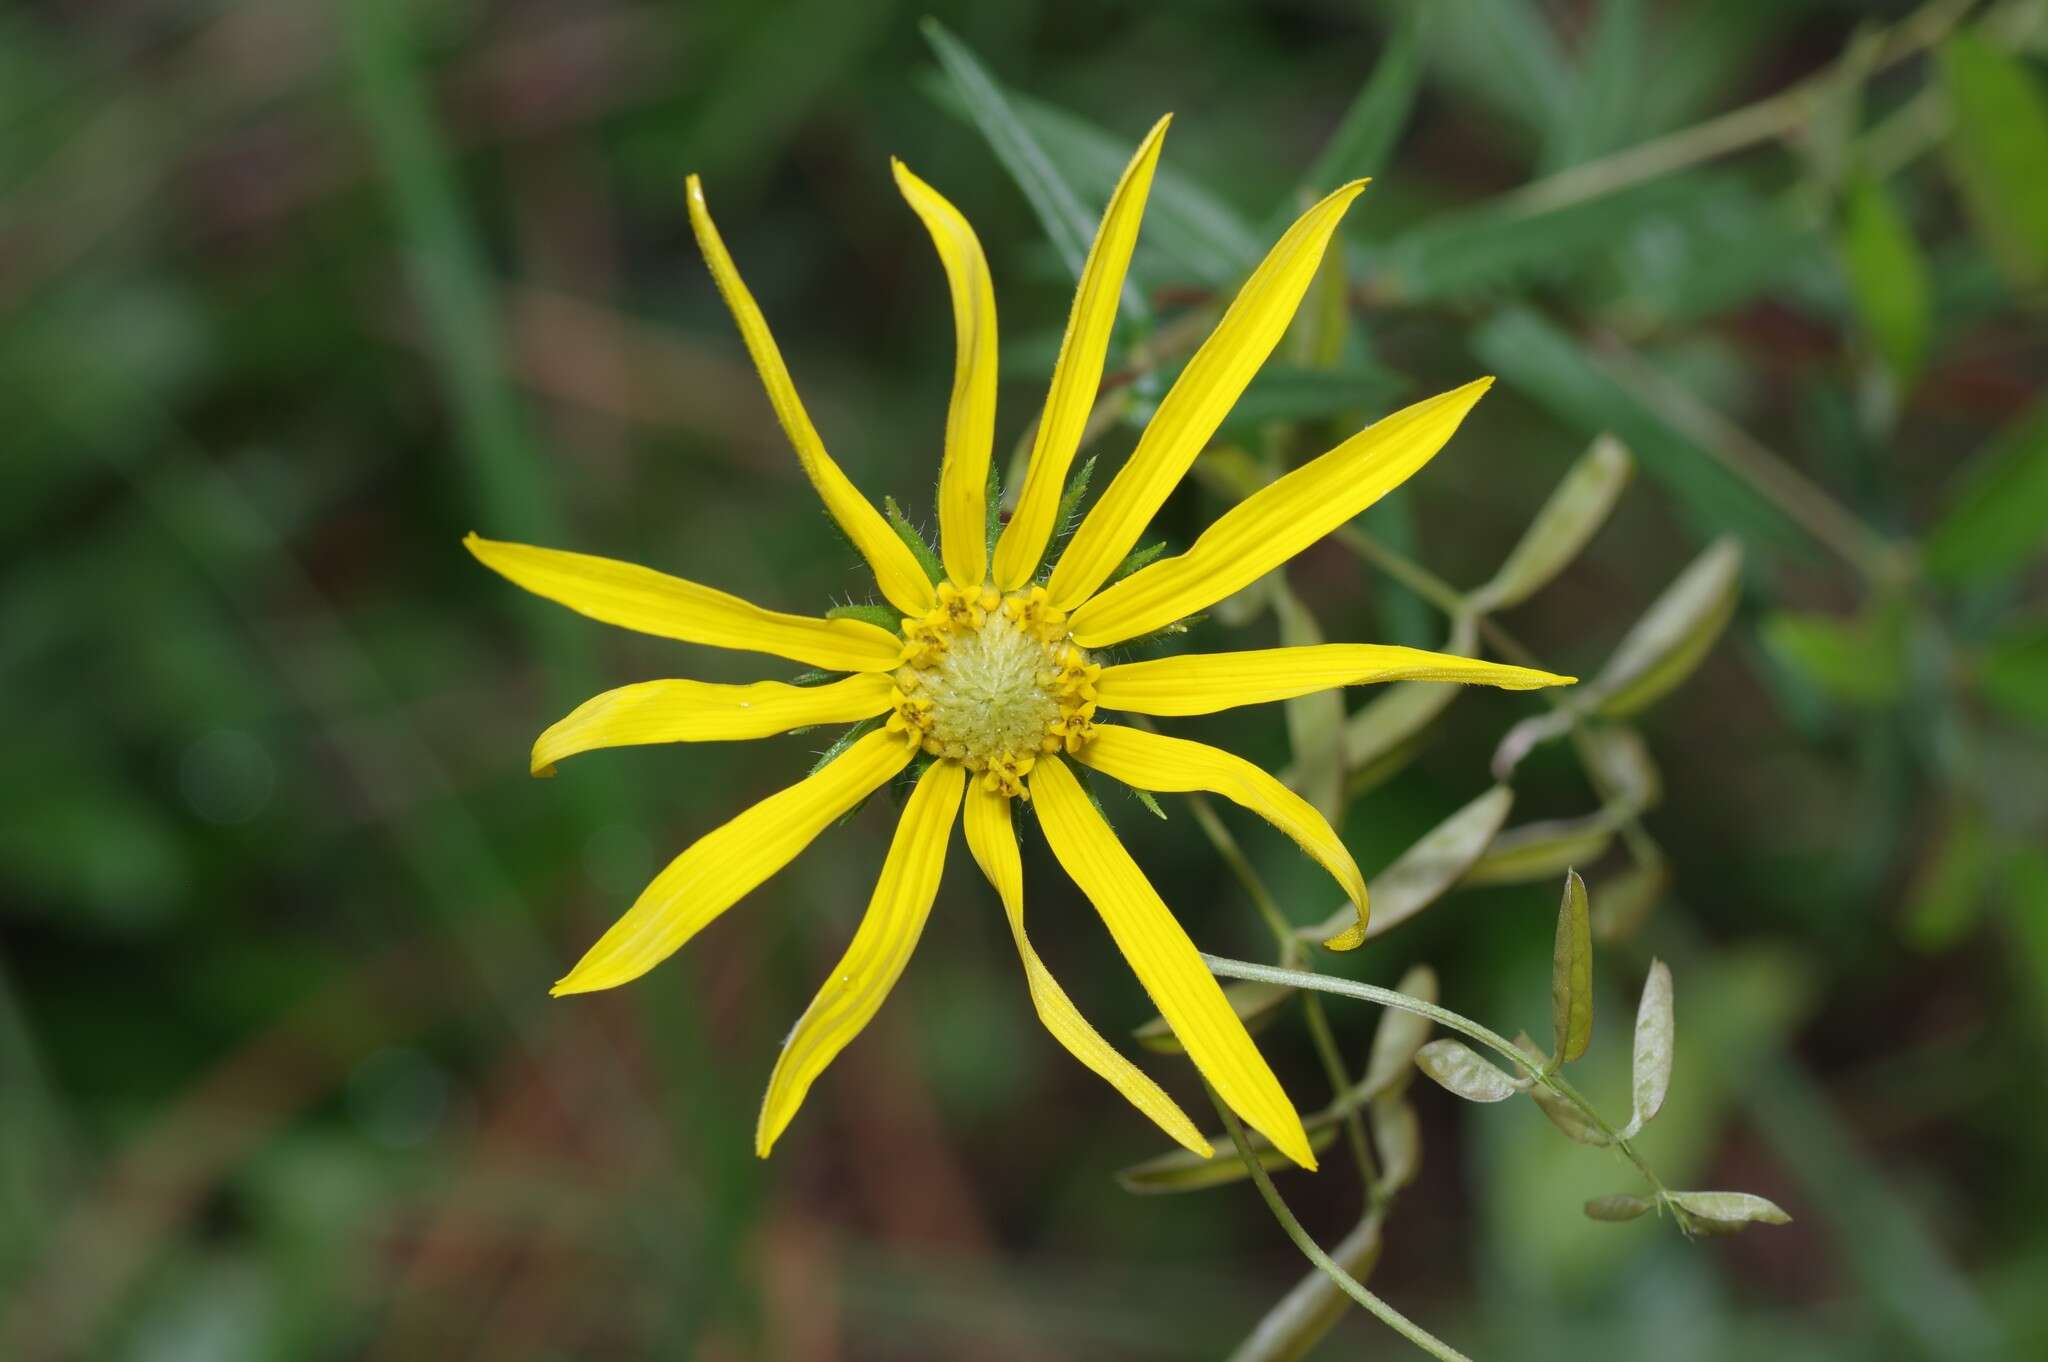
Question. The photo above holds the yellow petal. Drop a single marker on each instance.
(698, 711)
(881, 948)
(994, 844)
(971, 415)
(1078, 373)
(1152, 761)
(1163, 958)
(1277, 521)
(1202, 683)
(896, 570)
(726, 864)
(1197, 403)
(638, 598)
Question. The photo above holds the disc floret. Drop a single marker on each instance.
(993, 682)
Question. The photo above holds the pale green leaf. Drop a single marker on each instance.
(1726, 1212)
(1569, 519)
(1619, 1206)
(1673, 636)
(1461, 1070)
(1399, 1035)
(1654, 1039)
(1538, 851)
(1398, 1137)
(1426, 871)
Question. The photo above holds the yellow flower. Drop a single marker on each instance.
(995, 679)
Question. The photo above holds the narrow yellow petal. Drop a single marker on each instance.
(1163, 958)
(726, 864)
(1202, 683)
(881, 948)
(1078, 373)
(699, 711)
(1277, 521)
(1152, 761)
(1197, 403)
(896, 570)
(650, 602)
(971, 415)
(994, 844)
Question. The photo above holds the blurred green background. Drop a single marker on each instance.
(297, 294)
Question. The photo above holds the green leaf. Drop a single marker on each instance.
(2013, 674)
(844, 741)
(1136, 559)
(1069, 225)
(1619, 758)
(1857, 662)
(1619, 1206)
(1887, 277)
(1997, 519)
(1538, 851)
(1426, 871)
(1601, 115)
(927, 557)
(1567, 521)
(1256, 1004)
(881, 616)
(1997, 146)
(1460, 1070)
(1672, 638)
(1726, 1212)
(1070, 499)
(1571, 973)
(1654, 1039)
(1183, 1170)
(1559, 373)
(1366, 135)
(1398, 1137)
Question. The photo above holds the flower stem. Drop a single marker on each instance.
(1313, 1251)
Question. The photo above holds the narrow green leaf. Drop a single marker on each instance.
(1566, 523)
(1997, 146)
(1997, 521)
(1136, 559)
(1291, 392)
(1070, 499)
(1887, 277)
(881, 616)
(1256, 1004)
(1426, 871)
(1183, 1170)
(1727, 1212)
(2013, 674)
(1618, 1206)
(1069, 225)
(1399, 1035)
(1460, 1070)
(1673, 636)
(1366, 135)
(1538, 851)
(1571, 973)
(1654, 1039)
(927, 556)
(1602, 114)
(1947, 895)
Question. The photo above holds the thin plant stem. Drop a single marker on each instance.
(1535, 1068)
(1313, 1251)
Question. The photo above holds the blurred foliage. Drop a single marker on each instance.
(297, 294)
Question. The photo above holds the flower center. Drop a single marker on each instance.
(992, 682)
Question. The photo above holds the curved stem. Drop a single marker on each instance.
(1451, 1021)
(1313, 1251)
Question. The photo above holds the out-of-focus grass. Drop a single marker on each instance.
(295, 295)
